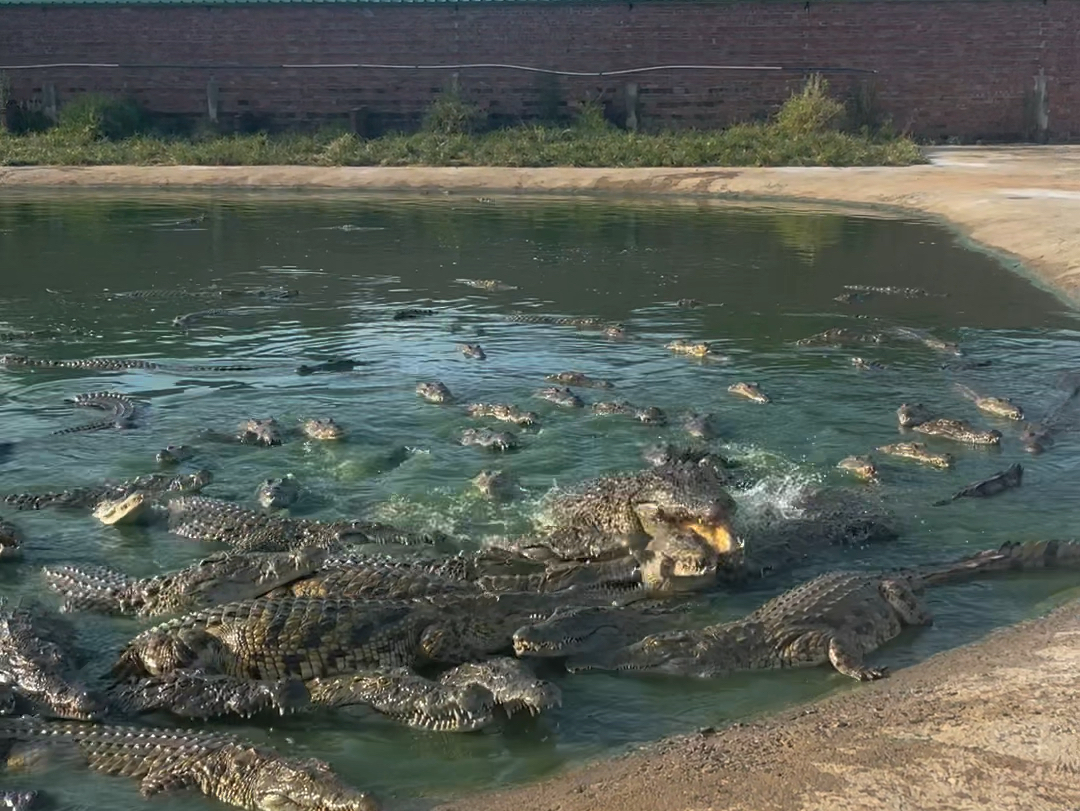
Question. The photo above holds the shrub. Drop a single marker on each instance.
(97, 117)
(811, 110)
(450, 114)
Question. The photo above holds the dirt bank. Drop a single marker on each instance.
(989, 726)
(1022, 201)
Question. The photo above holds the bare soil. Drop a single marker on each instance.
(1021, 201)
(989, 726)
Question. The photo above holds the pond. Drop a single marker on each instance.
(764, 277)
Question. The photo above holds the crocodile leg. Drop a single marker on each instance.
(847, 659)
(409, 698)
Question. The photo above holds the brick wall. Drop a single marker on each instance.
(945, 67)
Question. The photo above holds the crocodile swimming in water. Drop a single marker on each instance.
(486, 284)
(751, 391)
(560, 396)
(841, 336)
(958, 431)
(120, 408)
(927, 340)
(113, 365)
(835, 618)
(861, 466)
(474, 351)
(220, 766)
(278, 493)
(700, 349)
(998, 483)
(648, 416)
(211, 292)
(504, 412)
(579, 379)
(1039, 436)
(156, 485)
(917, 452)
(997, 406)
(187, 319)
(435, 392)
(206, 519)
(489, 440)
(219, 578)
(322, 429)
(581, 323)
(496, 485)
(174, 454)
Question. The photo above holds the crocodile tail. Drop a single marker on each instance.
(94, 588)
(34, 501)
(1012, 556)
(90, 426)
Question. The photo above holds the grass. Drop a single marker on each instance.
(806, 132)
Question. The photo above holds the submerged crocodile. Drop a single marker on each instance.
(504, 412)
(120, 408)
(750, 391)
(207, 519)
(220, 578)
(259, 432)
(486, 284)
(474, 351)
(958, 431)
(1037, 437)
(154, 485)
(211, 292)
(996, 406)
(649, 416)
(835, 618)
(11, 539)
(582, 323)
(221, 766)
(906, 292)
(912, 414)
(187, 319)
(174, 454)
(328, 366)
(867, 365)
(324, 430)
(841, 336)
(699, 426)
(928, 340)
(861, 466)
(497, 485)
(697, 350)
(112, 365)
(917, 452)
(1011, 477)
(278, 493)
(489, 440)
(579, 379)
(36, 665)
(435, 392)
(560, 396)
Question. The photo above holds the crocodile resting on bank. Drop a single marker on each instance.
(111, 365)
(337, 646)
(120, 408)
(221, 766)
(206, 519)
(154, 485)
(837, 618)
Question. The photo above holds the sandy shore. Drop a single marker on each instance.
(989, 726)
(1023, 202)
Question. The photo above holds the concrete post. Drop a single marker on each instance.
(1042, 108)
(212, 99)
(632, 106)
(48, 102)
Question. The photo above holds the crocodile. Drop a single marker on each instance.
(917, 452)
(1037, 437)
(750, 391)
(134, 509)
(486, 284)
(11, 539)
(278, 493)
(496, 485)
(194, 694)
(699, 426)
(333, 365)
(187, 319)
(688, 304)
(928, 340)
(504, 412)
(560, 396)
(206, 519)
(221, 766)
(996, 406)
(958, 431)
(120, 408)
(835, 618)
(911, 414)
(611, 515)
(861, 466)
(841, 336)
(19, 800)
(579, 379)
(435, 392)
(488, 439)
(577, 630)
(867, 365)
(174, 454)
(582, 323)
(663, 454)
(219, 578)
(324, 430)
(156, 485)
(474, 351)
(112, 365)
(998, 483)
(36, 665)
(697, 350)
(853, 298)
(259, 432)
(411, 313)
(906, 292)
(211, 292)
(649, 416)
(315, 639)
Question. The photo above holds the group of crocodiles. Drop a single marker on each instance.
(293, 615)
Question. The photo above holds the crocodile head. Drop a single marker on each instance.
(278, 493)
(295, 784)
(681, 560)
(666, 651)
(688, 498)
(325, 430)
(57, 697)
(573, 630)
(260, 432)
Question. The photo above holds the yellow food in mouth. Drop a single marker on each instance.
(719, 537)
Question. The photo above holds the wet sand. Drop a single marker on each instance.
(992, 725)
(1023, 202)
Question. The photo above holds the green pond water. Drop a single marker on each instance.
(766, 278)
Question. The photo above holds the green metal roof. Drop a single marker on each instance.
(392, 2)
